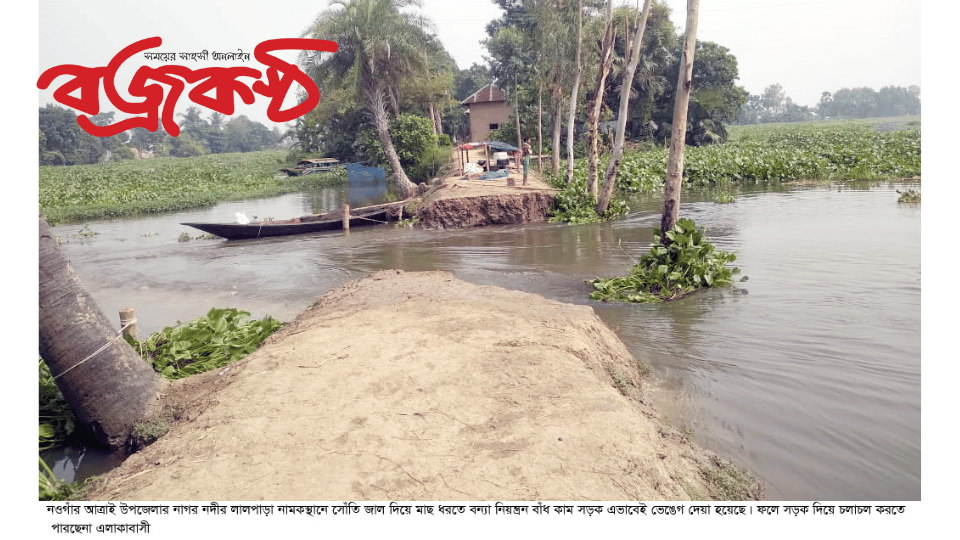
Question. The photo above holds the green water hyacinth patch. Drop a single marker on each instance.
(667, 272)
(221, 337)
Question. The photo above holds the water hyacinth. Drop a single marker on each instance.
(215, 340)
(667, 272)
(112, 189)
(770, 154)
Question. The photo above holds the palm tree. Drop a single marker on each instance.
(378, 47)
(193, 123)
(109, 387)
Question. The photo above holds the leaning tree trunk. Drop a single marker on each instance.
(377, 108)
(610, 176)
(595, 106)
(108, 385)
(678, 137)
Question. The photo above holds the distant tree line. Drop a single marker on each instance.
(773, 105)
(867, 103)
(63, 142)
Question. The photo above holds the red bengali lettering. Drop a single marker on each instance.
(276, 87)
(147, 81)
(223, 82)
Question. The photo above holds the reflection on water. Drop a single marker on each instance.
(808, 373)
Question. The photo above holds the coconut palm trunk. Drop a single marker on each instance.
(378, 112)
(108, 385)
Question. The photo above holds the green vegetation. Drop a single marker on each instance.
(687, 264)
(761, 154)
(575, 205)
(156, 185)
(731, 482)
(215, 340)
(773, 105)
(54, 489)
(774, 153)
(416, 144)
(765, 154)
(148, 431)
(56, 418)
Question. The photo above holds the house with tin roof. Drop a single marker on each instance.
(488, 110)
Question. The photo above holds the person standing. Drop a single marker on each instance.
(526, 159)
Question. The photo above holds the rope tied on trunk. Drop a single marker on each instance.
(104, 347)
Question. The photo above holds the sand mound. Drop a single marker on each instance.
(419, 386)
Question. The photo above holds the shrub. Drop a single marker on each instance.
(413, 139)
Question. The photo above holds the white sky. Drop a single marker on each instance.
(808, 46)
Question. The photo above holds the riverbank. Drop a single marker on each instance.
(420, 386)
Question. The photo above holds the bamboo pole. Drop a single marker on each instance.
(128, 323)
(346, 217)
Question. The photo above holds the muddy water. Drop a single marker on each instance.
(808, 373)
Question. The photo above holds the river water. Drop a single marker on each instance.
(807, 373)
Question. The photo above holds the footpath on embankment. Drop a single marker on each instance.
(419, 386)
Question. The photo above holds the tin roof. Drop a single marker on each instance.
(488, 94)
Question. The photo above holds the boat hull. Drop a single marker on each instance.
(304, 225)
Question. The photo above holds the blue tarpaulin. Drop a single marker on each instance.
(490, 175)
(501, 146)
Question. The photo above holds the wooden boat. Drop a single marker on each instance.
(310, 166)
(369, 215)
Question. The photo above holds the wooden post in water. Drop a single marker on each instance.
(346, 217)
(128, 322)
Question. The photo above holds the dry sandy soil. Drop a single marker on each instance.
(418, 386)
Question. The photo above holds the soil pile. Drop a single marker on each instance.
(419, 386)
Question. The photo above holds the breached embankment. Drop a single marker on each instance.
(420, 386)
(459, 201)
(461, 212)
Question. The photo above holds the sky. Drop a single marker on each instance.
(806, 46)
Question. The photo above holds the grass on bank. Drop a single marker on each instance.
(119, 188)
